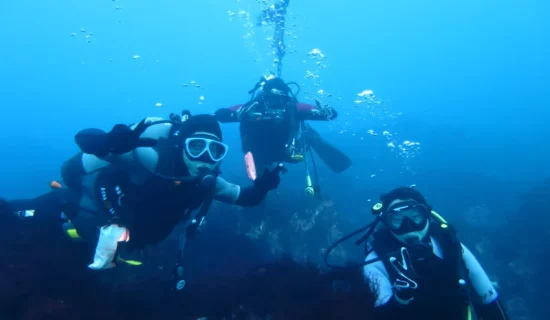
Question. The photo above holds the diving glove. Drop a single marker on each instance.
(405, 284)
(224, 115)
(270, 179)
(326, 111)
(121, 139)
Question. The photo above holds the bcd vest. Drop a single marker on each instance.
(439, 295)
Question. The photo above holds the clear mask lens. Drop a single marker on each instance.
(416, 215)
(276, 99)
(196, 147)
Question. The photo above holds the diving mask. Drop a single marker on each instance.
(406, 217)
(196, 147)
(276, 99)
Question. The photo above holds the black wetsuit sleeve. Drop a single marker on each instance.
(247, 196)
(491, 311)
(72, 171)
(226, 115)
(49, 205)
(250, 196)
(93, 141)
(253, 195)
(311, 112)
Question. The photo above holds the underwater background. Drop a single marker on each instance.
(449, 96)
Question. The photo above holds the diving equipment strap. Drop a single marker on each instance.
(170, 164)
(190, 232)
(196, 222)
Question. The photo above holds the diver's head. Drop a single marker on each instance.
(406, 214)
(203, 148)
(275, 94)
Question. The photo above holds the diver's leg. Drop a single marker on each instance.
(60, 205)
(49, 205)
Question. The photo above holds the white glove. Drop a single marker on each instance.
(105, 251)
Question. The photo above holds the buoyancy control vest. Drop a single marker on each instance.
(151, 210)
(440, 295)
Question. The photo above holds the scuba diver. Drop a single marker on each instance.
(416, 266)
(273, 129)
(130, 187)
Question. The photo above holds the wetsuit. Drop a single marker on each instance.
(130, 190)
(269, 137)
(438, 295)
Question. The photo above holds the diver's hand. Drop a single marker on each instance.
(326, 111)
(224, 115)
(405, 284)
(249, 112)
(270, 179)
(122, 139)
(329, 113)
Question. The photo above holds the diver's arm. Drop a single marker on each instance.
(48, 205)
(486, 302)
(376, 276)
(120, 140)
(78, 166)
(230, 193)
(226, 192)
(116, 147)
(95, 146)
(316, 113)
(226, 115)
(93, 141)
(248, 196)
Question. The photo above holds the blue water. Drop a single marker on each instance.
(475, 66)
(468, 79)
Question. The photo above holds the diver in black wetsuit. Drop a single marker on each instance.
(418, 269)
(133, 185)
(270, 122)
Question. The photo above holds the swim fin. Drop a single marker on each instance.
(335, 159)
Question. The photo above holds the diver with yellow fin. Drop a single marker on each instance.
(130, 187)
(417, 267)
